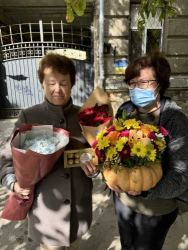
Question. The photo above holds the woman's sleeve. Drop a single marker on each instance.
(175, 180)
(7, 176)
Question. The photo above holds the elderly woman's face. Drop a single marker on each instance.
(57, 87)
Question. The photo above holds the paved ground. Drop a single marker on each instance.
(103, 234)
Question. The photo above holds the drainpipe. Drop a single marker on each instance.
(101, 44)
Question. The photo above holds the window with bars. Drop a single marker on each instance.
(152, 34)
(45, 32)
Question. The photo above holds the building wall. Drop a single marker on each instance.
(116, 32)
(175, 46)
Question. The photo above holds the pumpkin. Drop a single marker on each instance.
(138, 178)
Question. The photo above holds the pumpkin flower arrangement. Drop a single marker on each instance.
(130, 154)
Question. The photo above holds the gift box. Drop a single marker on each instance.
(30, 167)
(77, 158)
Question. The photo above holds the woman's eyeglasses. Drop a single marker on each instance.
(143, 84)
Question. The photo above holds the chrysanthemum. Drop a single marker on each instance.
(150, 154)
(152, 128)
(138, 149)
(163, 131)
(111, 151)
(120, 144)
(118, 125)
(103, 143)
(101, 134)
(131, 123)
(161, 145)
(145, 129)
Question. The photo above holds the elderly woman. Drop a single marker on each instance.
(145, 218)
(62, 208)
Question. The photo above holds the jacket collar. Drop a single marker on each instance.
(130, 107)
(58, 111)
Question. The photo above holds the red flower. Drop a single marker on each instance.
(124, 133)
(94, 144)
(152, 136)
(103, 108)
(125, 153)
(163, 131)
(106, 119)
(111, 128)
(94, 116)
(89, 111)
(100, 154)
(156, 147)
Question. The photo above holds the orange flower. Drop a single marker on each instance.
(145, 130)
(113, 137)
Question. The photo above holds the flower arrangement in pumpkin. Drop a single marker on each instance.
(130, 153)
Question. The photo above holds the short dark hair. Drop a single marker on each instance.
(155, 60)
(58, 63)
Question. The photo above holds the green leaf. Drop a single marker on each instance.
(124, 114)
(162, 15)
(146, 9)
(79, 6)
(141, 27)
(69, 14)
(153, 12)
(149, 7)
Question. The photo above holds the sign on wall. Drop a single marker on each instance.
(120, 65)
(70, 53)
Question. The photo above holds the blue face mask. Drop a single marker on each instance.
(142, 97)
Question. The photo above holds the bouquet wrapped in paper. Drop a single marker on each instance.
(130, 154)
(95, 115)
(35, 150)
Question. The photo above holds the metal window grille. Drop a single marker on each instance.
(34, 39)
(152, 34)
(21, 46)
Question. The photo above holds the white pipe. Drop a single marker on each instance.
(101, 43)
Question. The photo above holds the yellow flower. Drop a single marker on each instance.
(151, 154)
(103, 143)
(138, 149)
(118, 125)
(120, 144)
(111, 151)
(101, 134)
(161, 145)
(131, 123)
(152, 128)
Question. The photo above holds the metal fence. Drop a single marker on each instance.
(22, 46)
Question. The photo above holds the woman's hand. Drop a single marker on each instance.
(134, 193)
(23, 193)
(116, 188)
(89, 168)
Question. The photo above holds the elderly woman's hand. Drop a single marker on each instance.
(116, 188)
(23, 193)
(134, 193)
(90, 169)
